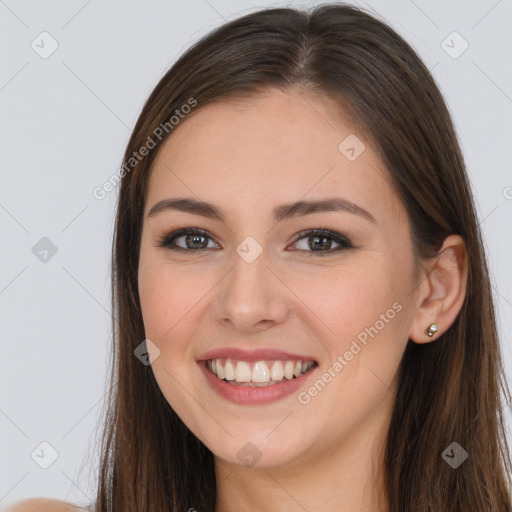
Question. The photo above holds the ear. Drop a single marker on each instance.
(442, 290)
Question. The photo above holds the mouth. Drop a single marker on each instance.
(258, 373)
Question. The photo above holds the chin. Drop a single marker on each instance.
(259, 451)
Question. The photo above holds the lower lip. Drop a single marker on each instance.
(254, 395)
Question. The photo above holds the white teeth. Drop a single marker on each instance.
(260, 372)
(288, 370)
(229, 370)
(277, 372)
(241, 372)
(220, 371)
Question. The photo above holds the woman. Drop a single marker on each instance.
(304, 318)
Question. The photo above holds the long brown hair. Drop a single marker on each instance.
(449, 390)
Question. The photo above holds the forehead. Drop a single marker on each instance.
(274, 148)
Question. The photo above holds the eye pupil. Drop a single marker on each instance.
(194, 239)
(325, 245)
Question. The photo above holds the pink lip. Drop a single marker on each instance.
(253, 355)
(247, 395)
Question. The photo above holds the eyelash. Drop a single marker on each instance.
(167, 241)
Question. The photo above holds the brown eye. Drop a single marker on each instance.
(194, 240)
(319, 242)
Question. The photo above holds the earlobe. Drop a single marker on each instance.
(443, 292)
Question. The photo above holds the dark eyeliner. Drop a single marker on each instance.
(167, 241)
(343, 241)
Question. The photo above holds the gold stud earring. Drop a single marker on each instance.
(431, 330)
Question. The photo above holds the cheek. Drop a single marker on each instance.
(383, 308)
(169, 303)
(364, 310)
(161, 303)
(353, 299)
(170, 297)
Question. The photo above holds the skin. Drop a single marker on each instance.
(42, 505)
(247, 156)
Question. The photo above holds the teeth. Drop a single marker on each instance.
(262, 373)
(277, 372)
(243, 372)
(220, 371)
(229, 370)
(288, 370)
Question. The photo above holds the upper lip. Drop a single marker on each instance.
(260, 354)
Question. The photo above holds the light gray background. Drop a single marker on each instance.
(65, 121)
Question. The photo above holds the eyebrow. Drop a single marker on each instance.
(279, 213)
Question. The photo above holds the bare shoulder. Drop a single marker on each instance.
(42, 505)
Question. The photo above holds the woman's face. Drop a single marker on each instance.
(253, 284)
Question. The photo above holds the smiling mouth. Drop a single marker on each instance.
(259, 373)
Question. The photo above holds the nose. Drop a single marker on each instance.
(251, 297)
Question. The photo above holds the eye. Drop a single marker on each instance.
(321, 239)
(196, 240)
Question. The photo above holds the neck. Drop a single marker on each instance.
(349, 478)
